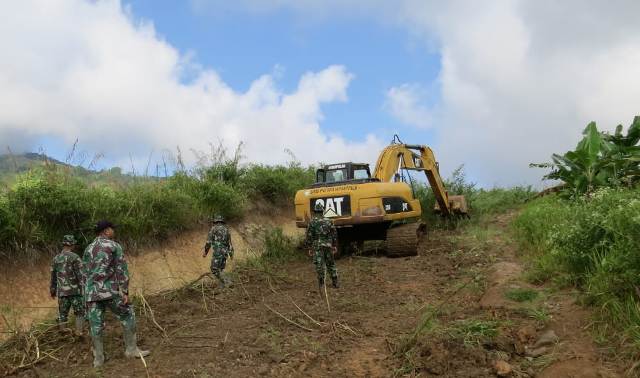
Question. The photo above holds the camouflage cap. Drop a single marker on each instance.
(318, 208)
(69, 240)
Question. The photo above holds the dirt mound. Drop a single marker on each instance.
(451, 358)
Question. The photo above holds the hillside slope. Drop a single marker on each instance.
(170, 265)
(458, 309)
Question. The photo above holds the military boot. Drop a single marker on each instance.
(98, 352)
(334, 282)
(79, 325)
(320, 283)
(221, 280)
(131, 345)
(227, 280)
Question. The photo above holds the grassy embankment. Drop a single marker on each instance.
(590, 243)
(588, 235)
(48, 201)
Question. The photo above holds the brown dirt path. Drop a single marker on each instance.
(274, 323)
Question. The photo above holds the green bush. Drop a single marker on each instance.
(44, 205)
(481, 202)
(276, 182)
(218, 197)
(594, 240)
(49, 201)
(7, 221)
(278, 247)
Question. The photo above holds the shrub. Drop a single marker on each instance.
(278, 182)
(7, 221)
(278, 246)
(595, 241)
(44, 205)
(218, 197)
(50, 200)
(481, 202)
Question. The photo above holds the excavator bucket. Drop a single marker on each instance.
(457, 204)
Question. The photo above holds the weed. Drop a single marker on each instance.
(521, 294)
(426, 324)
(589, 243)
(279, 247)
(272, 337)
(473, 331)
(539, 314)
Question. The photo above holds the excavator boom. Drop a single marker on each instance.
(418, 158)
(379, 206)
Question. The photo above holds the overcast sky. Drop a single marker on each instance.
(492, 85)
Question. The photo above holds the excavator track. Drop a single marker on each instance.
(403, 240)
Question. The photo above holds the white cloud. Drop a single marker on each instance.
(406, 102)
(89, 70)
(519, 79)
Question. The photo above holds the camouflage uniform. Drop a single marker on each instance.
(106, 281)
(106, 286)
(321, 237)
(220, 239)
(66, 279)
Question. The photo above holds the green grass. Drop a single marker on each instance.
(538, 314)
(45, 201)
(521, 294)
(473, 331)
(277, 248)
(589, 243)
(483, 203)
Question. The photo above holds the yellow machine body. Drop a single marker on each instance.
(370, 206)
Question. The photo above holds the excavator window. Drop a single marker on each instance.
(336, 175)
(361, 173)
(343, 172)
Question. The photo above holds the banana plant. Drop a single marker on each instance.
(623, 153)
(600, 159)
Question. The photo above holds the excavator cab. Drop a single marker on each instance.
(341, 173)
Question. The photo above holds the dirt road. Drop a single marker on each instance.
(459, 309)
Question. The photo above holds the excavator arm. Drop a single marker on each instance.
(418, 158)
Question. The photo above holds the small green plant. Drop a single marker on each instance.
(473, 331)
(521, 294)
(539, 314)
(278, 247)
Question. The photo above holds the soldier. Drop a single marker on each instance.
(66, 281)
(321, 239)
(220, 239)
(106, 286)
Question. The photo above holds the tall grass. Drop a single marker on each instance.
(49, 201)
(591, 242)
(45, 204)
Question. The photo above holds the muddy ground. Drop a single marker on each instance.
(459, 309)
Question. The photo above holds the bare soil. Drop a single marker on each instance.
(274, 322)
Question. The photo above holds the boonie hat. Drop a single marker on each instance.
(69, 240)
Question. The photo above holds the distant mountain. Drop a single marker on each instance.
(16, 163)
(12, 165)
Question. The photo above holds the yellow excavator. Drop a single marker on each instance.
(378, 206)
